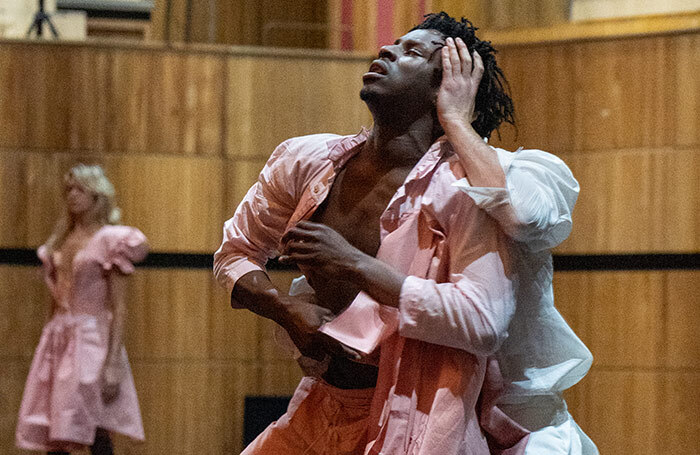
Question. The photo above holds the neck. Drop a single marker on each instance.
(401, 143)
(85, 223)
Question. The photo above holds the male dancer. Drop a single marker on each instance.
(451, 270)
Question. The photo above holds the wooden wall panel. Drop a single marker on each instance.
(635, 201)
(110, 100)
(619, 315)
(164, 103)
(12, 379)
(640, 412)
(684, 84)
(271, 100)
(197, 408)
(497, 14)
(604, 95)
(45, 94)
(542, 84)
(169, 314)
(175, 201)
(681, 407)
(640, 327)
(24, 307)
(29, 198)
(683, 289)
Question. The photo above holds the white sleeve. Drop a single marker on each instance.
(535, 207)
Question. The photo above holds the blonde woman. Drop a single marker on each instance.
(80, 385)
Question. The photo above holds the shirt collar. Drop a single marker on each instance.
(340, 150)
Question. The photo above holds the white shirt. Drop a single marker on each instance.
(542, 356)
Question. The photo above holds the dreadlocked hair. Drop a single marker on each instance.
(493, 102)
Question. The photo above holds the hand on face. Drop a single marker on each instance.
(461, 75)
(318, 246)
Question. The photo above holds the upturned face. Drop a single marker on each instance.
(408, 69)
(78, 199)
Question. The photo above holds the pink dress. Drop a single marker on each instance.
(62, 404)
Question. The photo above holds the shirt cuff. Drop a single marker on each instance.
(486, 198)
(230, 274)
(410, 305)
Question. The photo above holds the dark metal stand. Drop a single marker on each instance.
(38, 22)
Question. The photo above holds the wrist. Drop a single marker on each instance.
(459, 126)
(358, 268)
(284, 316)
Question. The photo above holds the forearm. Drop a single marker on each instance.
(480, 162)
(115, 333)
(255, 292)
(117, 286)
(377, 279)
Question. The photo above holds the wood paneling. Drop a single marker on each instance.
(497, 14)
(175, 201)
(635, 201)
(30, 197)
(683, 316)
(641, 329)
(605, 95)
(640, 412)
(271, 100)
(169, 314)
(14, 374)
(619, 315)
(24, 307)
(164, 103)
(247, 22)
(84, 98)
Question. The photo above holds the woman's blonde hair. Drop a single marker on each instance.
(92, 179)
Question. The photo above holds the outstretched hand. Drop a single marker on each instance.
(461, 75)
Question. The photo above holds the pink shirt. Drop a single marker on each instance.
(437, 380)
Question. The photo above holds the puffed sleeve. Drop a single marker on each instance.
(124, 246)
(535, 207)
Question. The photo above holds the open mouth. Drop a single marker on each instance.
(378, 67)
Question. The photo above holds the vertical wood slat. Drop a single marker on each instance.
(635, 201)
(639, 326)
(640, 412)
(111, 100)
(273, 99)
(605, 95)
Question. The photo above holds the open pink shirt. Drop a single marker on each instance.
(438, 381)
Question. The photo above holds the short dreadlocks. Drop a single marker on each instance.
(493, 103)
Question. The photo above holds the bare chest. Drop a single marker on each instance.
(64, 257)
(355, 204)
